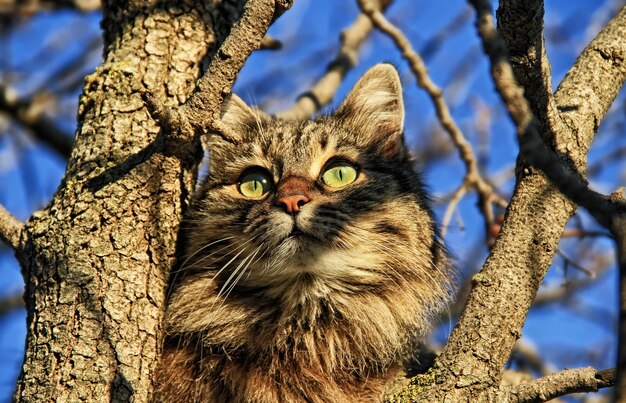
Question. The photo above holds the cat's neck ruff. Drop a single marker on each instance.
(315, 272)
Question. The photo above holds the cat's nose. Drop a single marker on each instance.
(292, 203)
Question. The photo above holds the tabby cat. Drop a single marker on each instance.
(312, 268)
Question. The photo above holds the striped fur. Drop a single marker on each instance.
(258, 315)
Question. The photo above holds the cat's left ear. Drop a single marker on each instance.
(375, 107)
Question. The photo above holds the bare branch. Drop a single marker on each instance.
(480, 344)
(168, 118)
(269, 43)
(11, 302)
(561, 383)
(590, 86)
(30, 114)
(523, 34)
(33, 6)
(347, 57)
(532, 146)
(610, 212)
(436, 41)
(454, 201)
(10, 229)
(528, 353)
(473, 178)
(202, 110)
(619, 231)
(562, 292)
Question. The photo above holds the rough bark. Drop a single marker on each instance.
(95, 258)
(470, 367)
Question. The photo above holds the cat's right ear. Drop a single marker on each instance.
(375, 109)
(236, 114)
(238, 120)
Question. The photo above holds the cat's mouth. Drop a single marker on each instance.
(297, 234)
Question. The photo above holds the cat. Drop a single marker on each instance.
(312, 269)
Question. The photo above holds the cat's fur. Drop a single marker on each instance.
(256, 314)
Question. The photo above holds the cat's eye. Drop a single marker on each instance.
(254, 184)
(339, 175)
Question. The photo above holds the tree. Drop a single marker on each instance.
(95, 259)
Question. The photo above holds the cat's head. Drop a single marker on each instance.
(334, 201)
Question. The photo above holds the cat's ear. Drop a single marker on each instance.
(236, 114)
(375, 106)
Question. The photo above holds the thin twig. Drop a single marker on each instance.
(202, 110)
(561, 383)
(11, 303)
(326, 87)
(269, 43)
(571, 262)
(582, 233)
(473, 178)
(454, 201)
(10, 229)
(27, 8)
(531, 357)
(562, 292)
(29, 114)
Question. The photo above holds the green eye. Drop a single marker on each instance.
(339, 175)
(254, 184)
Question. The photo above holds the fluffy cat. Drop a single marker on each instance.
(312, 268)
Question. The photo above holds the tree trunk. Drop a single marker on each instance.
(96, 258)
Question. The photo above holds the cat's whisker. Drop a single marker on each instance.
(258, 259)
(206, 261)
(182, 265)
(226, 287)
(243, 247)
(175, 273)
(247, 262)
(236, 247)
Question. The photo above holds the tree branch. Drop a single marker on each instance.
(11, 302)
(10, 229)
(95, 286)
(347, 57)
(520, 23)
(608, 211)
(619, 231)
(472, 361)
(35, 6)
(532, 147)
(29, 114)
(590, 86)
(202, 110)
(561, 383)
(473, 178)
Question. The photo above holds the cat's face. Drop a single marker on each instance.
(335, 200)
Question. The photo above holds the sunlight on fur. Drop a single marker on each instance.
(294, 290)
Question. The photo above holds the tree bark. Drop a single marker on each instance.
(471, 364)
(95, 259)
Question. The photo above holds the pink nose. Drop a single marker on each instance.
(292, 203)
